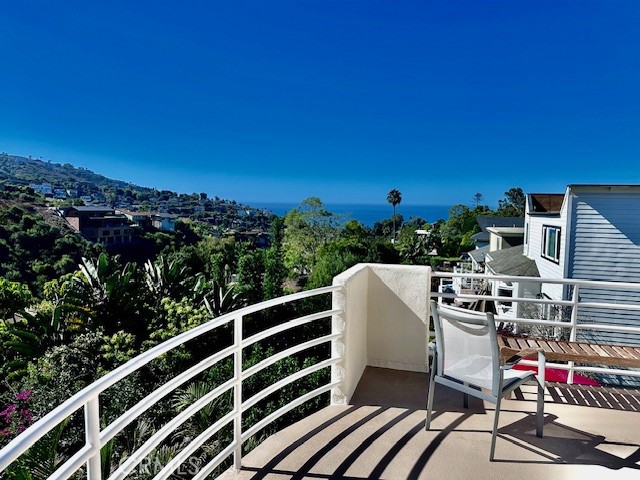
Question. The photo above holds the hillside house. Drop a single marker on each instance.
(496, 233)
(42, 188)
(487, 222)
(100, 224)
(164, 221)
(591, 232)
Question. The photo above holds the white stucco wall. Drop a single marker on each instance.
(353, 300)
(397, 310)
(385, 310)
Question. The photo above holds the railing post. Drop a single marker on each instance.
(92, 435)
(574, 323)
(237, 393)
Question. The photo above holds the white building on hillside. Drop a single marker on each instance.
(591, 232)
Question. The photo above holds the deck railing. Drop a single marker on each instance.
(88, 398)
(576, 304)
(378, 318)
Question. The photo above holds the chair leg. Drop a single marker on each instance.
(540, 411)
(494, 434)
(432, 388)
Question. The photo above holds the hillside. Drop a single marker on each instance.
(35, 244)
(215, 215)
(23, 170)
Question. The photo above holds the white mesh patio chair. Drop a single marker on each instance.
(468, 359)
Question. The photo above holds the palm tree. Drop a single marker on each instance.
(394, 197)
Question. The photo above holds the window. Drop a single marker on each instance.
(505, 292)
(551, 243)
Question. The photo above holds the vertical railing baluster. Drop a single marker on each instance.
(92, 434)
(237, 393)
(574, 323)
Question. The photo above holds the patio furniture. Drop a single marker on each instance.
(468, 359)
(580, 352)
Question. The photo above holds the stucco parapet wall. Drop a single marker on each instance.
(385, 308)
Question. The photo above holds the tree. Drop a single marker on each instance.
(385, 228)
(414, 248)
(110, 296)
(394, 197)
(250, 277)
(14, 297)
(477, 198)
(274, 268)
(457, 230)
(308, 227)
(513, 204)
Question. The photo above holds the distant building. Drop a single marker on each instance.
(164, 221)
(256, 237)
(486, 222)
(100, 225)
(142, 219)
(42, 188)
(59, 193)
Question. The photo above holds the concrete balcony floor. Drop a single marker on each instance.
(589, 433)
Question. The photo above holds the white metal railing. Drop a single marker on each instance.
(575, 303)
(88, 398)
(382, 302)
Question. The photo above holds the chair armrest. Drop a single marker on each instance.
(522, 354)
(528, 353)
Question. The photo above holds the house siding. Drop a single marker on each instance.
(547, 268)
(605, 245)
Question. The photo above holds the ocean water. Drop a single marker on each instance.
(368, 214)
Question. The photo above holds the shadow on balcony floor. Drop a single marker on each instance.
(381, 435)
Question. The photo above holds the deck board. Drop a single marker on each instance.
(581, 352)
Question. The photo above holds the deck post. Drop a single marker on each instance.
(92, 435)
(237, 393)
(575, 299)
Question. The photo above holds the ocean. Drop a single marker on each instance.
(367, 214)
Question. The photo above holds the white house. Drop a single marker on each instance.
(591, 232)
(496, 234)
(164, 221)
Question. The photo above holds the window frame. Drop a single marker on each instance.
(545, 243)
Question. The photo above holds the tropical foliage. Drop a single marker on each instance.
(70, 313)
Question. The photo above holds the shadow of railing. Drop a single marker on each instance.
(384, 427)
(330, 448)
(566, 445)
(595, 397)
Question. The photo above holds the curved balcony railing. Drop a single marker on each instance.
(378, 319)
(88, 398)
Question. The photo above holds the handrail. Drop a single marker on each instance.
(89, 454)
(559, 281)
(88, 396)
(573, 324)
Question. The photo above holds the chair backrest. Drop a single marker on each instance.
(467, 346)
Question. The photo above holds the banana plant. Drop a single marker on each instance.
(30, 336)
(110, 295)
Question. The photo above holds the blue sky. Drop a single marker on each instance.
(280, 100)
